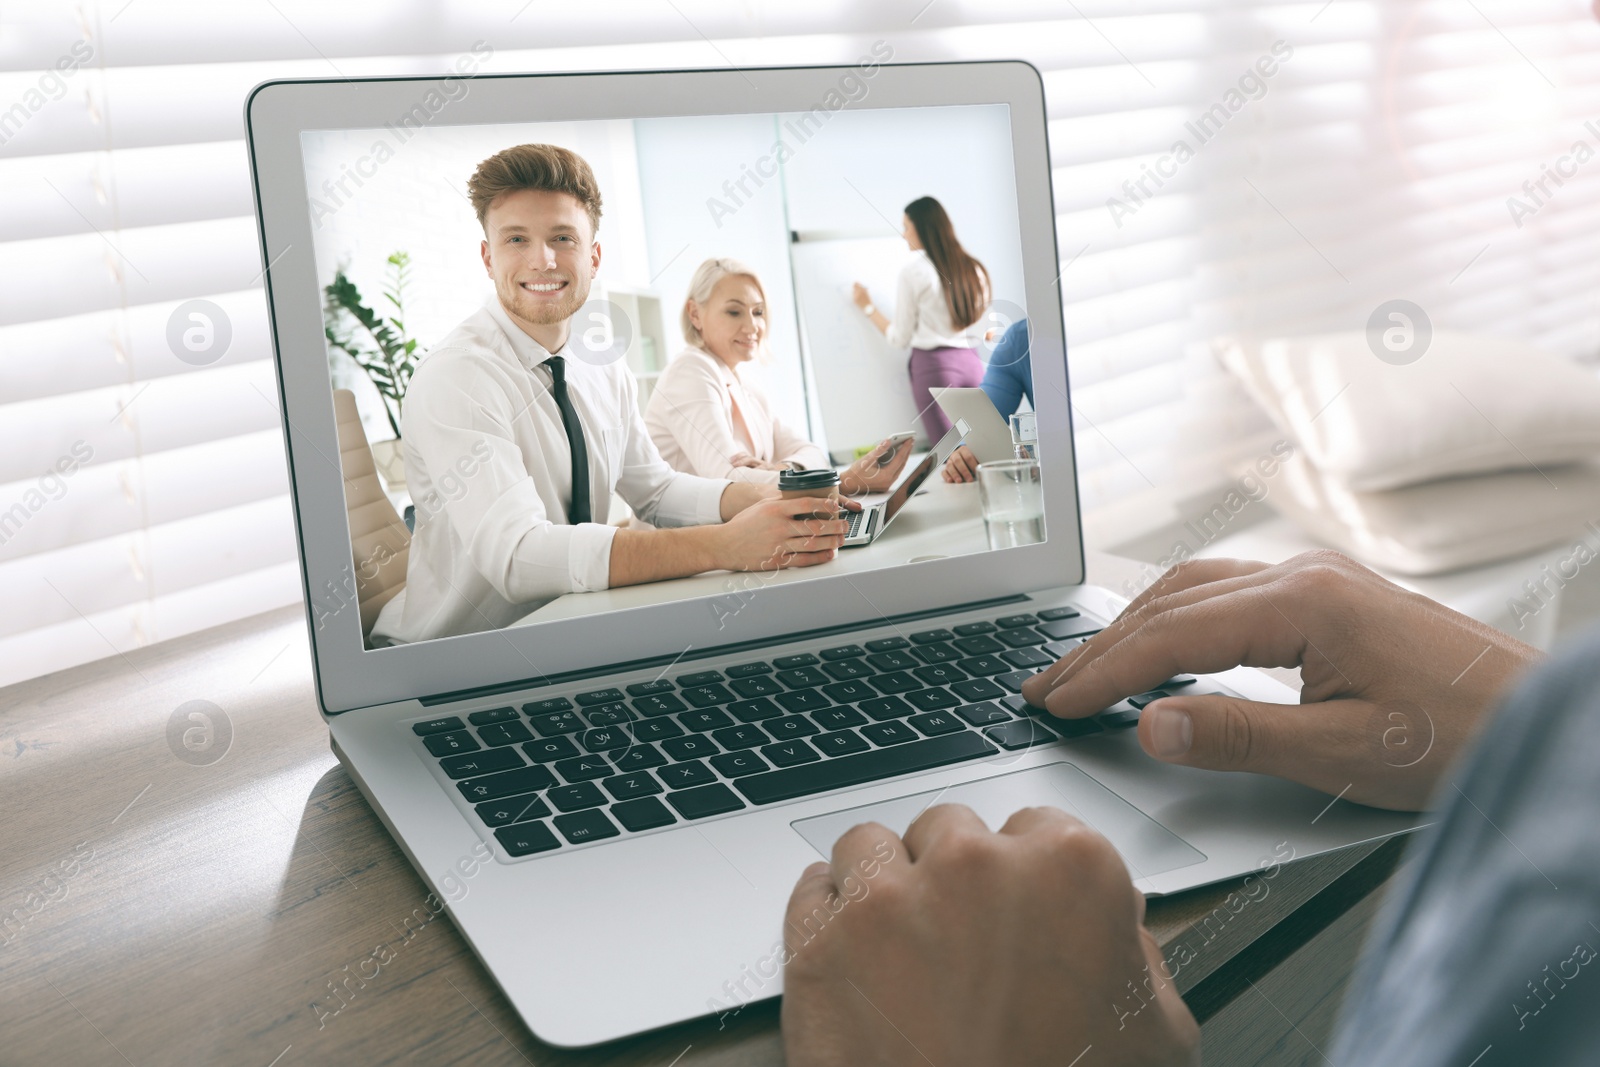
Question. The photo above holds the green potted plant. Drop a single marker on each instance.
(378, 345)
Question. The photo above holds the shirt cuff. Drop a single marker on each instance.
(691, 501)
(589, 556)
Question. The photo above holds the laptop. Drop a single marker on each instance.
(876, 513)
(651, 772)
(987, 435)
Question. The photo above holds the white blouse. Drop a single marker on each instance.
(690, 419)
(921, 317)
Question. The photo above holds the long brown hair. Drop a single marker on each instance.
(966, 281)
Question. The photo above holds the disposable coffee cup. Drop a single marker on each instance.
(822, 483)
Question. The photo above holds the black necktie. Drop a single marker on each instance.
(579, 511)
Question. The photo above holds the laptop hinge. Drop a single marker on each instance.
(711, 650)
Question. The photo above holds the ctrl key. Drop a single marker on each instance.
(581, 827)
(524, 839)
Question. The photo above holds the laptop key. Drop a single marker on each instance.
(843, 652)
(437, 726)
(692, 747)
(981, 645)
(788, 663)
(604, 739)
(1053, 614)
(802, 677)
(628, 786)
(892, 661)
(1026, 657)
(576, 796)
(737, 737)
(976, 689)
(638, 758)
(484, 718)
(837, 718)
(684, 775)
(1065, 628)
(982, 665)
(940, 674)
(939, 652)
(734, 764)
(934, 723)
(656, 730)
(557, 723)
(698, 678)
(646, 813)
(973, 629)
(840, 743)
(803, 700)
(512, 809)
(887, 644)
(536, 810)
(584, 768)
(1007, 622)
(506, 783)
(1148, 698)
(505, 733)
(846, 669)
(598, 696)
(888, 733)
(983, 713)
(933, 699)
(608, 715)
(747, 670)
(1071, 729)
(701, 721)
(487, 762)
(885, 708)
(658, 704)
(790, 782)
(928, 637)
(1022, 637)
(754, 710)
(790, 727)
(704, 801)
(1178, 680)
(584, 826)
(545, 707)
(1119, 718)
(651, 688)
(704, 696)
(1013, 681)
(755, 687)
(790, 754)
(527, 838)
(451, 743)
(895, 682)
(549, 749)
(849, 692)
(1019, 733)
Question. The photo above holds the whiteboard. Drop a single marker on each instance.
(862, 387)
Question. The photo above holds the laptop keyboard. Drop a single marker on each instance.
(604, 762)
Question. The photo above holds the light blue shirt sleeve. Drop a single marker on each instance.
(1009, 377)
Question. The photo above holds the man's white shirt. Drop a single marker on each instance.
(489, 470)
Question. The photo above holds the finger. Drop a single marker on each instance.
(1030, 819)
(862, 846)
(812, 892)
(1192, 573)
(938, 823)
(1215, 633)
(808, 559)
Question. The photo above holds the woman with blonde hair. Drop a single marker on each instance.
(706, 418)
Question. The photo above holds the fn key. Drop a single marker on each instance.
(527, 838)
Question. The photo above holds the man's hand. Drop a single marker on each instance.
(961, 946)
(1394, 685)
(741, 495)
(774, 534)
(865, 476)
(962, 466)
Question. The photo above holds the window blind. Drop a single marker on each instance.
(1385, 156)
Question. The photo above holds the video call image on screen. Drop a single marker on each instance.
(770, 308)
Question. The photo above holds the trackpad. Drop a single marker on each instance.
(1147, 847)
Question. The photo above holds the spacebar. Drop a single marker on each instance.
(863, 767)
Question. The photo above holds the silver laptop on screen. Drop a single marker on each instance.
(651, 764)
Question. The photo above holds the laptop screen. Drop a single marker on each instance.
(729, 296)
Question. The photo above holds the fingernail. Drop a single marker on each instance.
(1171, 731)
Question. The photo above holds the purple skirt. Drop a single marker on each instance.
(936, 368)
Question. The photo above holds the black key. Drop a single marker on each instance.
(656, 730)
(506, 783)
(451, 743)
(598, 696)
(496, 759)
(804, 700)
(437, 726)
(557, 723)
(692, 747)
(973, 629)
(802, 677)
(940, 674)
(1019, 733)
(646, 813)
(1014, 680)
(734, 764)
(838, 718)
(698, 678)
(928, 637)
(701, 721)
(849, 692)
(843, 652)
(755, 687)
(1074, 728)
(605, 739)
(982, 714)
(1018, 706)
(754, 710)
(638, 758)
(885, 708)
(896, 682)
(748, 670)
(892, 661)
(846, 669)
(790, 782)
(888, 733)
(840, 743)
(651, 688)
(683, 775)
(658, 704)
(577, 796)
(1120, 719)
(979, 646)
(545, 707)
(505, 733)
(935, 723)
(704, 801)
(512, 809)
(1009, 621)
(584, 768)
(976, 689)
(628, 786)
(1061, 648)
(1053, 614)
(583, 826)
(705, 696)
(527, 838)
(608, 715)
(484, 718)
(1178, 680)
(1026, 657)
(939, 652)
(550, 748)
(790, 754)
(1065, 628)
(790, 727)
(1022, 637)
(980, 665)
(789, 663)
(1147, 698)
(737, 737)
(887, 644)
(933, 699)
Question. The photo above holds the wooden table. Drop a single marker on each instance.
(157, 910)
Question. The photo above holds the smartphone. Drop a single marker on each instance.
(895, 443)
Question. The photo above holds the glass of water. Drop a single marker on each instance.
(1013, 502)
(1025, 435)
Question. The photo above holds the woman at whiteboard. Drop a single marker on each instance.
(943, 292)
(708, 417)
